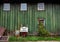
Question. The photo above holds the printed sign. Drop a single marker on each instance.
(24, 29)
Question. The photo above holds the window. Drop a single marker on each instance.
(40, 6)
(6, 6)
(23, 7)
(42, 21)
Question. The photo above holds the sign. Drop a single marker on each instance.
(24, 29)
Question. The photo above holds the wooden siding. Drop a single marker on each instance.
(14, 18)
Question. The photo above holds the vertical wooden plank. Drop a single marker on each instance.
(1, 15)
(29, 18)
(19, 17)
(49, 17)
(30, 12)
(54, 21)
(57, 17)
(35, 18)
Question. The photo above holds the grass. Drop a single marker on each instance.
(34, 38)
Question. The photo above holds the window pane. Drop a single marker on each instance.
(40, 6)
(6, 6)
(23, 6)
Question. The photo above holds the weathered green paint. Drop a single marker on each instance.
(14, 18)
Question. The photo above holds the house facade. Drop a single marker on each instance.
(12, 15)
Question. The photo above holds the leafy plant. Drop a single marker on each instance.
(33, 38)
(42, 31)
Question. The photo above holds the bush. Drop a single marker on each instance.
(42, 31)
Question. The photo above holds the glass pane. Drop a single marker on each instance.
(23, 6)
(40, 6)
(6, 6)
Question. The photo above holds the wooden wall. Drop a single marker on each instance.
(14, 18)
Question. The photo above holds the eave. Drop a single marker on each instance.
(29, 1)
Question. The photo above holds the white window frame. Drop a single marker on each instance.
(23, 6)
(6, 6)
(40, 6)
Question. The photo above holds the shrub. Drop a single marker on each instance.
(42, 31)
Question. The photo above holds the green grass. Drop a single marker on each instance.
(34, 38)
